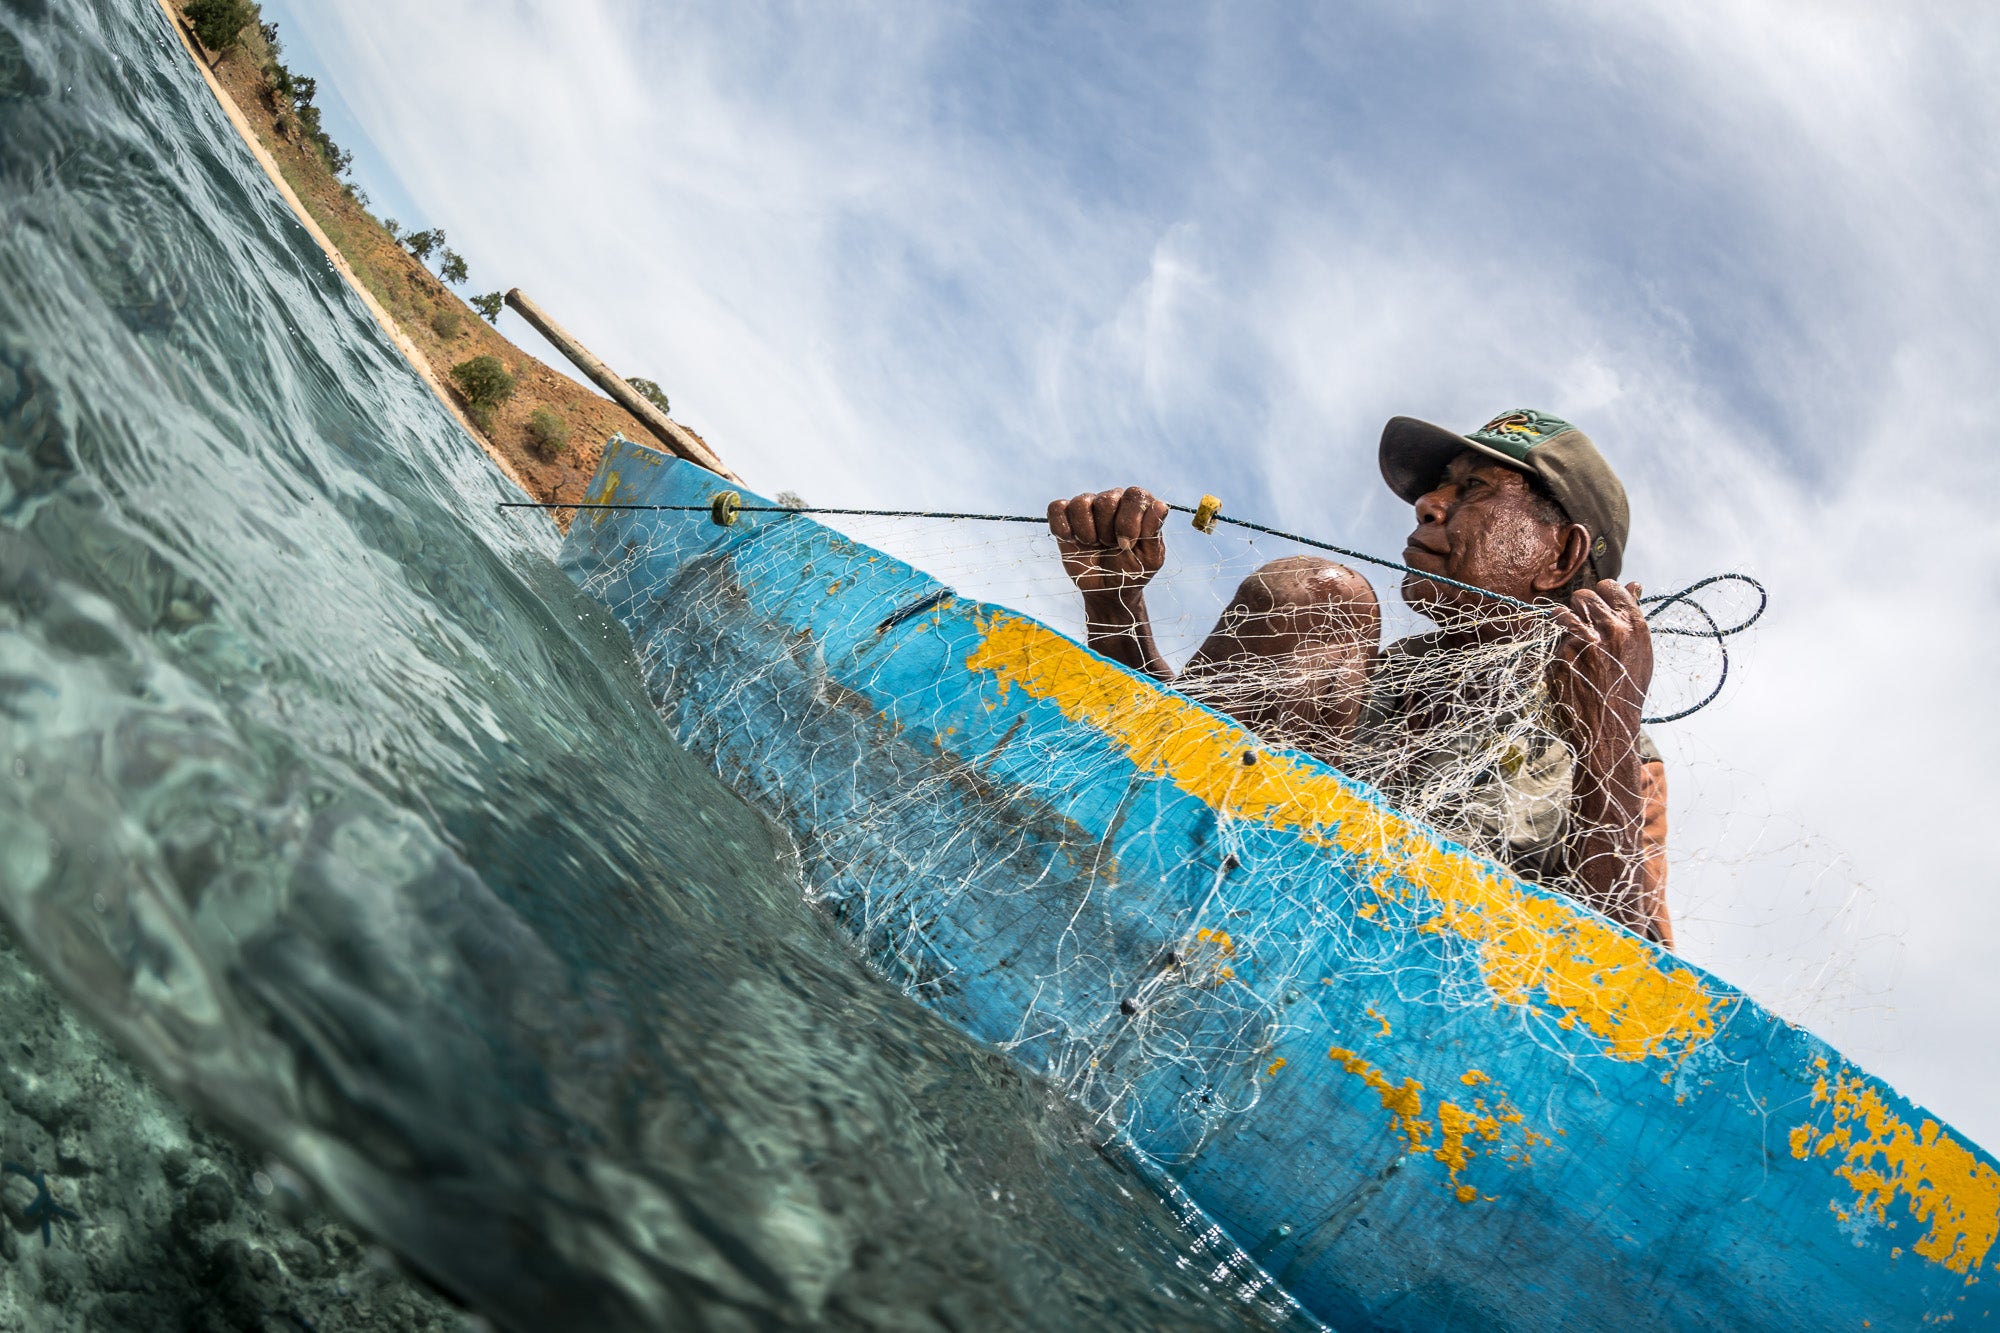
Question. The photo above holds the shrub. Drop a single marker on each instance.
(488, 306)
(452, 269)
(393, 227)
(484, 382)
(299, 90)
(446, 322)
(218, 23)
(650, 391)
(547, 432)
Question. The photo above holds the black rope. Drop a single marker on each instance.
(1666, 599)
(1043, 518)
(1685, 597)
(788, 509)
(1658, 602)
(1372, 559)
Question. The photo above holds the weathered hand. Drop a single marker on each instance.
(1603, 665)
(1110, 541)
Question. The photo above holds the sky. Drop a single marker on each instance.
(974, 257)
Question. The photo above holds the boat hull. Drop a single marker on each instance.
(1420, 1092)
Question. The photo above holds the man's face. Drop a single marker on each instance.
(1482, 524)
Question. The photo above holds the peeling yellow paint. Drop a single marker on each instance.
(1632, 998)
(1455, 1126)
(1944, 1183)
(1534, 950)
(1204, 956)
(1275, 1066)
(1462, 1134)
(604, 497)
(1219, 938)
(1404, 1101)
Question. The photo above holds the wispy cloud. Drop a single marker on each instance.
(982, 256)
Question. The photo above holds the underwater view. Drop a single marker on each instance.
(334, 803)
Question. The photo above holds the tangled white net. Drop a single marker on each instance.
(1116, 1019)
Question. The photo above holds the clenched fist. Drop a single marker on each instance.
(1110, 541)
(1603, 664)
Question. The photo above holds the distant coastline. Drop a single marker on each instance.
(432, 325)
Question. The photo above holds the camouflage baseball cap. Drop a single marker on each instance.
(1415, 454)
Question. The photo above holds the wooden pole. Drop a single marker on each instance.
(678, 440)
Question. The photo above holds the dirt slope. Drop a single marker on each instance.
(436, 323)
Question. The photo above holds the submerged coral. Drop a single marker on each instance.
(163, 1222)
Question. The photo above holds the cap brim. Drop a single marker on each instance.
(1415, 453)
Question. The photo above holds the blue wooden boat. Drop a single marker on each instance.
(1421, 1093)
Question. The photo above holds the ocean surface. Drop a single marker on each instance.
(325, 793)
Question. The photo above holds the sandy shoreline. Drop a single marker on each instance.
(402, 341)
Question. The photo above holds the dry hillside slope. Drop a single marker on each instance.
(435, 321)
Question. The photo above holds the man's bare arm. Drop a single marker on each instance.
(1291, 655)
(1653, 849)
(1111, 548)
(1602, 668)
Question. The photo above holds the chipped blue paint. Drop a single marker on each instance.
(1002, 859)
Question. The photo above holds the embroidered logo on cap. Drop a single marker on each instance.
(1515, 433)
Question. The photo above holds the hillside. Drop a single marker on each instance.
(436, 323)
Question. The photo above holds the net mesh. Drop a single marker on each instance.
(1206, 1013)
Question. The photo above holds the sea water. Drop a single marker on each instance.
(325, 793)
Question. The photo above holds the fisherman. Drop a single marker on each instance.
(1555, 779)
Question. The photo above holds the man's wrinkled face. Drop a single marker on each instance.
(1481, 524)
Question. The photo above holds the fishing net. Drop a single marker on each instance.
(1206, 1012)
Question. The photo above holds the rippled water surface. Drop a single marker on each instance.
(327, 794)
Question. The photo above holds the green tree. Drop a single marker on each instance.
(218, 23)
(547, 432)
(421, 243)
(650, 391)
(393, 227)
(452, 269)
(485, 384)
(489, 306)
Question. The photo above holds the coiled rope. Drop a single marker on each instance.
(724, 506)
